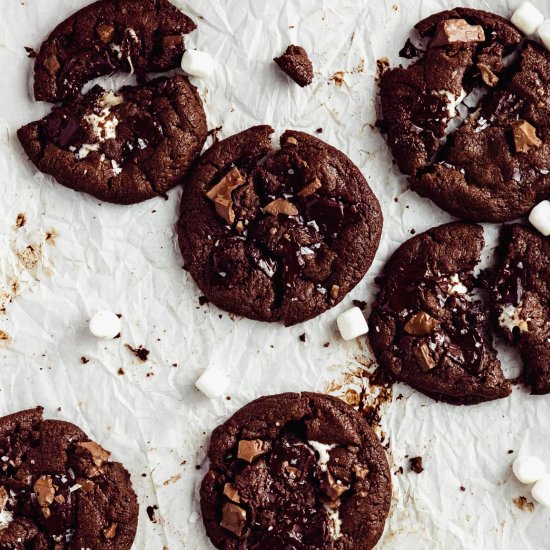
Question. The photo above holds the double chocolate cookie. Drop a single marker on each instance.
(521, 300)
(108, 36)
(427, 328)
(277, 236)
(122, 147)
(59, 490)
(302, 471)
(469, 121)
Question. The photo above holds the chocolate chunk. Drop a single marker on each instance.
(233, 518)
(221, 195)
(51, 63)
(106, 33)
(281, 206)
(416, 464)
(87, 485)
(231, 493)
(250, 450)
(44, 490)
(91, 457)
(457, 31)
(312, 187)
(333, 488)
(296, 64)
(292, 141)
(424, 357)
(525, 136)
(110, 532)
(488, 76)
(421, 324)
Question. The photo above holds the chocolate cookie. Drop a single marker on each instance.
(296, 64)
(521, 298)
(108, 36)
(277, 237)
(468, 121)
(302, 471)
(427, 328)
(59, 490)
(122, 147)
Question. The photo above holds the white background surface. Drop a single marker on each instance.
(126, 259)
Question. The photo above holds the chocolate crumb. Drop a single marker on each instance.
(360, 304)
(203, 300)
(121, 372)
(416, 464)
(302, 337)
(462, 488)
(151, 513)
(31, 54)
(84, 360)
(140, 352)
(523, 504)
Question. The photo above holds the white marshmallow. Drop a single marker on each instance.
(544, 33)
(197, 63)
(212, 382)
(527, 18)
(540, 217)
(105, 325)
(528, 469)
(352, 324)
(541, 491)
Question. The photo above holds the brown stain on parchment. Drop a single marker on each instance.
(172, 479)
(5, 338)
(20, 221)
(523, 504)
(50, 236)
(382, 65)
(338, 78)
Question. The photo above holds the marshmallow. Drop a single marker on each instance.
(212, 383)
(527, 18)
(352, 324)
(197, 63)
(541, 491)
(544, 33)
(528, 469)
(105, 325)
(540, 217)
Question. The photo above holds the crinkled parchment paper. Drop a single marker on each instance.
(63, 256)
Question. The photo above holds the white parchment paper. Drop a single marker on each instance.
(69, 256)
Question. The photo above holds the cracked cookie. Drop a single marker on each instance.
(427, 326)
(59, 490)
(521, 300)
(302, 471)
(111, 35)
(469, 121)
(277, 236)
(122, 147)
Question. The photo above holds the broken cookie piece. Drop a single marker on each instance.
(296, 64)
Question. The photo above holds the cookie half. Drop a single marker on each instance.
(428, 328)
(108, 36)
(301, 471)
(521, 300)
(277, 236)
(469, 121)
(122, 147)
(59, 489)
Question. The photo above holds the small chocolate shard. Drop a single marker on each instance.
(91, 457)
(457, 31)
(423, 357)
(525, 136)
(416, 464)
(220, 194)
(110, 532)
(331, 487)
(44, 490)
(87, 485)
(281, 206)
(231, 493)
(52, 64)
(310, 188)
(105, 32)
(488, 76)
(249, 450)
(233, 518)
(421, 324)
(334, 292)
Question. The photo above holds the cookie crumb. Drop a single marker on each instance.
(416, 464)
(140, 352)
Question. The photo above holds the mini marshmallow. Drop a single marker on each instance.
(541, 490)
(197, 63)
(105, 325)
(527, 18)
(528, 469)
(352, 324)
(544, 33)
(212, 383)
(540, 217)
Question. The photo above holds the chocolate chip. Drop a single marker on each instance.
(423, 357)
(456, 31)
(488, 76)
(110, 532)
(310, 188)
(281, 206)
(421, 324)
(231, 493)
(106, 33)
(52, 64)
(233, 518)
(525, 136)
(248, 450)
(220, 194)
(44, 490)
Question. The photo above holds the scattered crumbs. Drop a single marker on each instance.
(382, 65)
(510, 451)
(319, 130)
(360, 67)
(172, 479)
(140, 352)
(31, 54)
(149, 374)
(84, 360)
(121, 372)
(338, 78)
(183, 462)
(302, 337)
(4, 336)
(399, 470)
(462, 488)
(21, 220)
(413, 231)
(151, 512)
(416, 464)
(326, 344)
(203, 300)
(51, 235)
(523, 504)
(360, 304)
